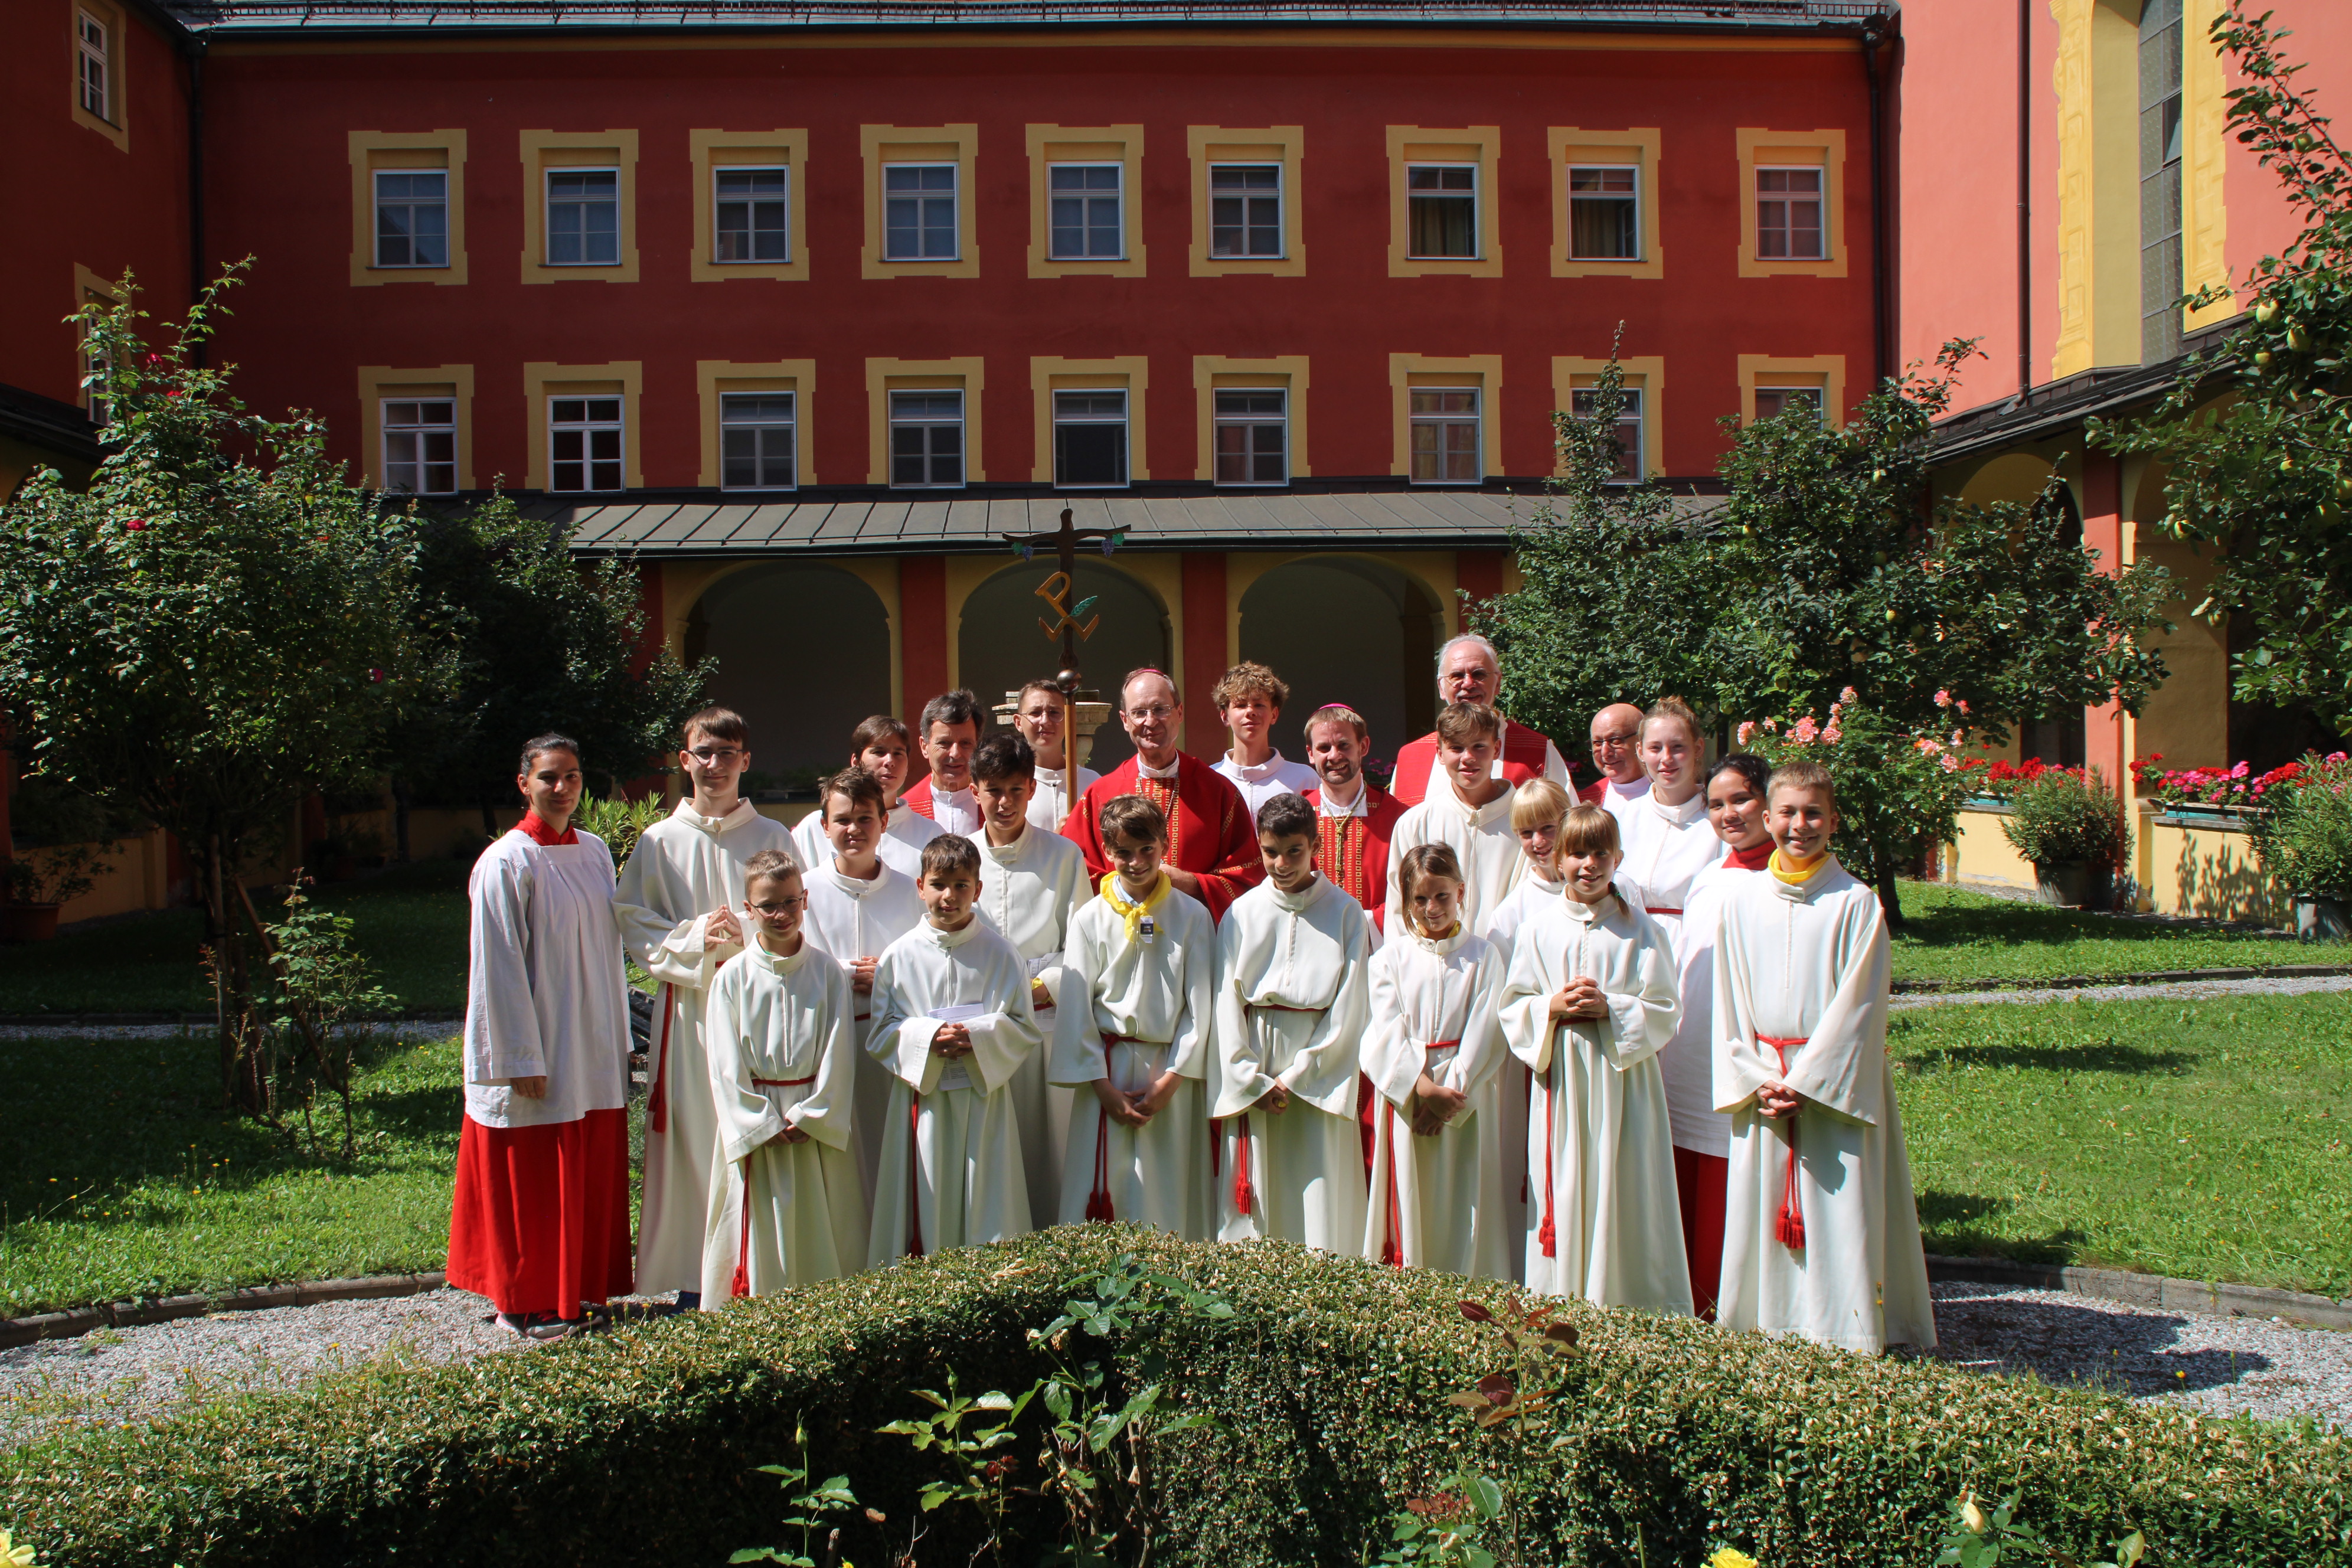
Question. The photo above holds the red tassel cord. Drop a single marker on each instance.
(742, 1283)
(914, 1177)
(1098, 1205)
(1548, 1238)
(1789, 1226)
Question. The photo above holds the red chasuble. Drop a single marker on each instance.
(916, 798)
(1591, 794)
(1209, 829)
(1523, 759)
(1353, 851)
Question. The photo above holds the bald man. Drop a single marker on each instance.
(1470, 671)
(1617, 753)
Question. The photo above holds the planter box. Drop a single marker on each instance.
(2077, 885)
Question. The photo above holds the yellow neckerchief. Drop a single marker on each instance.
(1795, 873)
(1133, 913)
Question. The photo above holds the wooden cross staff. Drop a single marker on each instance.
(1066, 624)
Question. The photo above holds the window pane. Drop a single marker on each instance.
(1443, 226)
(1603, 214)
(1103, 405)
(1090, 454)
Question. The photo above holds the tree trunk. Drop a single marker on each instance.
(400, 819)
(1889, 899)
(240, 1044)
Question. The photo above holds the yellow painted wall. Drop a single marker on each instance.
(2181, 870)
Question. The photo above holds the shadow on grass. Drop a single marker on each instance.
(1959, 1225)
(2107, 1056)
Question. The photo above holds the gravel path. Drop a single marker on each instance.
(2174, 991)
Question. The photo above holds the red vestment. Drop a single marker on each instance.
(1525, 755)
(1591, 794)
(1209, 829)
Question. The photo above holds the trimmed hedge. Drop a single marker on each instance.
(1331, 1378)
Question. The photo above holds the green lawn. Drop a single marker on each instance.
(2203, 1140)
(1954, 936)
(121, 1177)
(411, 923)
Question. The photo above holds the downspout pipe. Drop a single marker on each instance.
(195, 50)
(2024, 197)
(1872, 38)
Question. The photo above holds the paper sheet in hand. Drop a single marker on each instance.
(956, 1074)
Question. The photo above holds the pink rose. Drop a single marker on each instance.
(1847, 695)
(1746, 731)
(1952, 763)
(1803, 730)
(1942, 699)
(1964, 709)
(1832, 733)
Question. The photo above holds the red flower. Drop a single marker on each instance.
(375, 676)
(136, 524)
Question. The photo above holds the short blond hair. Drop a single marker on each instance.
(1588, 830)
(1337, 713)
(1802, 773)
(1537, 802)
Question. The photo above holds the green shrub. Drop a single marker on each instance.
(619, 821)
(1670, 1438)
(2064, 816)
(2304, 837)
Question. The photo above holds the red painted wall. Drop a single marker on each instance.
(2260, 223)
(283, 185)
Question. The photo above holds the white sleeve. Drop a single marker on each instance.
(1075, 1055)
(1525, 1008)
(1641, 1022)
(746, 1117)
(828, 1113)
(502, 1033)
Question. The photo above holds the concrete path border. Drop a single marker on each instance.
(14, 1331)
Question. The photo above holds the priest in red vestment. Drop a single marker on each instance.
(1212, 842)
(1470, 671)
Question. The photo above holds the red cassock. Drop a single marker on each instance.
(1209, 829)
(1525, 755)
(1591, 794)
(1353, 856)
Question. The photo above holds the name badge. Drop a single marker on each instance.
(1149, 930)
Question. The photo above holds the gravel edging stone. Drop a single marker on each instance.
(14, 1331)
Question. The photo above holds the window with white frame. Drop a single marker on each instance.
(1629, 428)
(1774, 400)
(1246, 210)
(412, 217)
(1252, 437)
(584, 443)
(1083, 221)
(583, 217)
(751, 205)
(1789, 211)
(1445, 446)
(1090, 438)
(91, 55)
(919, 211)
(1442, 210)
(1605, 213)
(93, 379)
(755, 440)
(926, 439)
(420, 445)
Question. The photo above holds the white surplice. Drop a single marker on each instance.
(1667, 850)
(1690, 1095)
(1029, 889)
(1050, 806)
(781, 1054)
(544, 992)
(951, 1174)
(1616, 799)
(904, 834)
(1155, 993)
(1264, 781)
(1293, 988)
(1482, 839)
(1535, 894)
(684, 866)
(853, 919)
(1437, 1201)
(1809, 962)
(1600, 1151)
(956, 811)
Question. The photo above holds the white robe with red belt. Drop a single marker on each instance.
(684, 866)
(1524, 755)
(781, 1056)
(904, 834)
(851, 917)
(1667, 850)
(1482, 839)
(1029, 889)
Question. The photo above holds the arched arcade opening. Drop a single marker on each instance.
(1000, 644)
(804, 653)
(1346, 629)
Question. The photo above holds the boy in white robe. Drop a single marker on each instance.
(675, 901)
(1821, 1231)
(1589, 1004)
(1033, 882)
(1291, 993)
(1537, 808)
(1041, 719)
(1435, 1053)
(786, 1207)
(953, 1023)
(1470, 814)
(858, 906)
(1249, 699)
(1133, 1029)
(880, 745)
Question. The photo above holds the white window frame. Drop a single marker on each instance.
(547, 215)
(1477, 196)
(1118, 194)
(94, 66)
(1281, 195)
(1476, 419)
(419, 429)
(1219, 420)
(589, 427)
(954, 197)
(1633, 430)
(783, 198)
(930, 422)
(1820, 199)
(95, 402)
(1816, 395)
(375, 190)
(791, 422)
(1633, 168)
(1125, 421)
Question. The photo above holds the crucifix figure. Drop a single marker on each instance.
(1066, 623)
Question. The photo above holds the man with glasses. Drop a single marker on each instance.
(1470, 671)
(1617, 753)
(1212, 844)
(676, 903)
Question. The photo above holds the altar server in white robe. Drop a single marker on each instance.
(786, 1207)
(1821, 1231)
(539, 1218)
(1590, 1003)
(953, 1023)
(1132, 1033)
(880, 745)
(1041, 719)
(1537, 808)
(1668, 840)
(1435, 1053)
(1033, 882)
(859, 905)
(1470, 814)
(1293, 991)
(676, 901)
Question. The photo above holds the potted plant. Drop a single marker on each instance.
(2071, 826)
(43, 881)
(2305, 839)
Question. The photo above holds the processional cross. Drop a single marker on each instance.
(1066, 624)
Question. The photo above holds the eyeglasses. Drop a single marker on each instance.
(1599, 741)
(1157, 711)
(782, 907)
(707, 754)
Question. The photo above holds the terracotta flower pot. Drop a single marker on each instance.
(28, 923)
